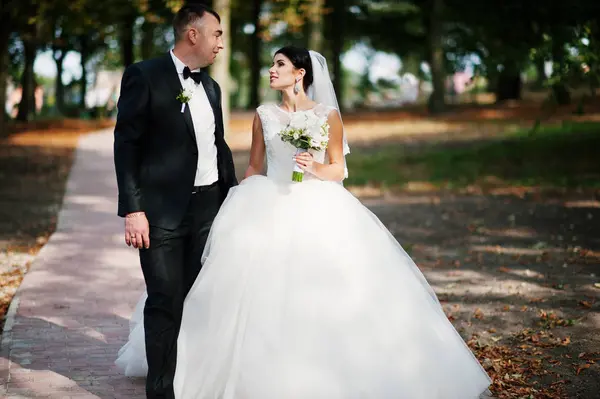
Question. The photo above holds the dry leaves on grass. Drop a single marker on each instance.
(35, 159)
(9, 283)
(515, 371)
(550, 320)
(523, 365)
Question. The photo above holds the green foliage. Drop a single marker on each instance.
(395, 26)
(508, 36)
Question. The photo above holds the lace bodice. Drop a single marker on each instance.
(280, 163)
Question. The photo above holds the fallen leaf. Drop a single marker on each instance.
(504, 269)
(478, 314)
(451, 285)
(585, 304)
(536, 300)
(581, 368)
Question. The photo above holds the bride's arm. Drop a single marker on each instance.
(257, 151)
(334, 170)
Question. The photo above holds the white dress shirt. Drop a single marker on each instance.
(207, 171)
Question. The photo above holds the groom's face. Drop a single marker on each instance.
(208, 41)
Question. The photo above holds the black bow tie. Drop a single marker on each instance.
(196, 76)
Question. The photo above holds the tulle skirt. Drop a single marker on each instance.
(304, 294)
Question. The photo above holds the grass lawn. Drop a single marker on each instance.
(553, 156)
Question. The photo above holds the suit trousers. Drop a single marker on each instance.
(170, 267)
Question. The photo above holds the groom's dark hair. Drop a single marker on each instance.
(300, 59)
(188, 14)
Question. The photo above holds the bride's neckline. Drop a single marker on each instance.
(297, 111)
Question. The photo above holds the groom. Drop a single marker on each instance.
(174, 170)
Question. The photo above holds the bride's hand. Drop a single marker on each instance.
(305, 161)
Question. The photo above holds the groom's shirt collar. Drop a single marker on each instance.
(179, 65)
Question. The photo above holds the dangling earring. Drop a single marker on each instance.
(297, 87)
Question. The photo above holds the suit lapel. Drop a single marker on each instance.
(175, 88)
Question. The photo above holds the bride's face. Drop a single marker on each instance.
(283, 74)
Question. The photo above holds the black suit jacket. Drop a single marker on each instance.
(155, 150)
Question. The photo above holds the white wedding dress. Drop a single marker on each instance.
(304, 294)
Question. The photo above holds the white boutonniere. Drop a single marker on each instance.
(184, 97)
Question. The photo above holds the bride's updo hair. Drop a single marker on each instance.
(300, 58)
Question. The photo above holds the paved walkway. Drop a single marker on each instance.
(70, 315)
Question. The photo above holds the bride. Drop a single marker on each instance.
(304, 294)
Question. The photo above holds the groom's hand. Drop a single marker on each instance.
(137, 230)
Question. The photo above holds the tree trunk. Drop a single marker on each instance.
(85, 53)
(561, 93)
(437, 102)
(411, 63)
(59, 57)
(594, 75)
(4, 37)
(365, 86)
(147, 45)
(220, 69)
(540, 68)
(560, 90)
(509, 85)
(338, 25)
(255, 64)
(126, 40)
(316, 26)
(27, 104)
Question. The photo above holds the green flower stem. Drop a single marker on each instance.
(297, 176)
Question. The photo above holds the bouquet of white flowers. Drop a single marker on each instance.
(305, 133)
